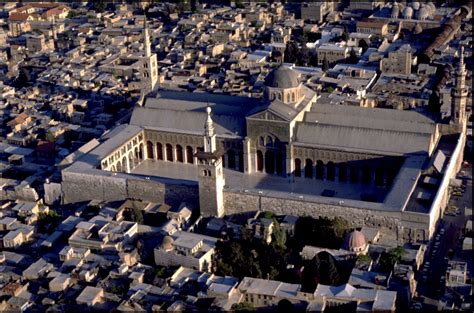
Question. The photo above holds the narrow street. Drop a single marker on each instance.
(432, 289)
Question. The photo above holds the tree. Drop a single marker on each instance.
(310, 276)
(352, 59)
(71, 14)
(388, 259)
(328, 270)
(285, 306)
(291, 52)
(325, 66)
(434, 104)
(21, 80)
(345, 34)
(302, 56)
(243, 307)
(50, 137)
(279, 235)
(134, 215)
(313, 59)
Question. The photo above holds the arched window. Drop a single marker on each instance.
(354, 174)
(259, 161)
(331, 171)
(261, 141)
(379, 177)
(269, 141)
(319, 169)
(124, 164)
(342, 172)
(293, 98)
(308, 168)
(135, 155)
(280, 167)
(140, 152)
(159, 151)
(269, 162)
(231, 158)
(119, 166)
(366, 175)
(279, 96)
(297, 167)
(149, 150)
(179, 154)
(169, 152)
(189, 155)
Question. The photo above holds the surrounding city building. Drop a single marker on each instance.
(226, 156)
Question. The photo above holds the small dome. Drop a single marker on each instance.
(415, 6)
(167, 243)
(408, 13)
(282, 77)
(423, 13)
(355, 241)
(432, 7)
(395, 10)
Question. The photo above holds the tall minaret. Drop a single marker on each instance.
(459, 93)
(149, 68)
(211, 174)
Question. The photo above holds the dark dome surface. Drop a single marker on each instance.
(282, 77)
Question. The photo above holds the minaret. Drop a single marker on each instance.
(211, 174)
(149, 68)
(459, 93)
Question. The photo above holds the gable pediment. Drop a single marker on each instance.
(266, 115)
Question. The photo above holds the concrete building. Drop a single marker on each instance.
(363, 299)
(186, 249)
(456, 274)
(265, 293)
(398, 62)
(90, 296)
(316, 11)
(332, 52)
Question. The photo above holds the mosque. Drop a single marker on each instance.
(284, 153)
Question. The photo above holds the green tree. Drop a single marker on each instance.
(278, 235)
(71, 14)
(291, 52)
(352, 59)
(325, 66)
(133, 214)
(285, 306)
(328, 270)
(243, 307)
(50, 137)
(388, 259)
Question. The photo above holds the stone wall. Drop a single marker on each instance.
(243, 202)
(79, 187)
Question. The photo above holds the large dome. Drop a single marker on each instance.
(282, 77)
(355, 241)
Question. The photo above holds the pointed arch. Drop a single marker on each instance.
(297, 167)
(259, 161)
(179, 154)
(308, 168)
(159, 151)
(189, 154)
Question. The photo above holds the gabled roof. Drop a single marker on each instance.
(360, 139)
